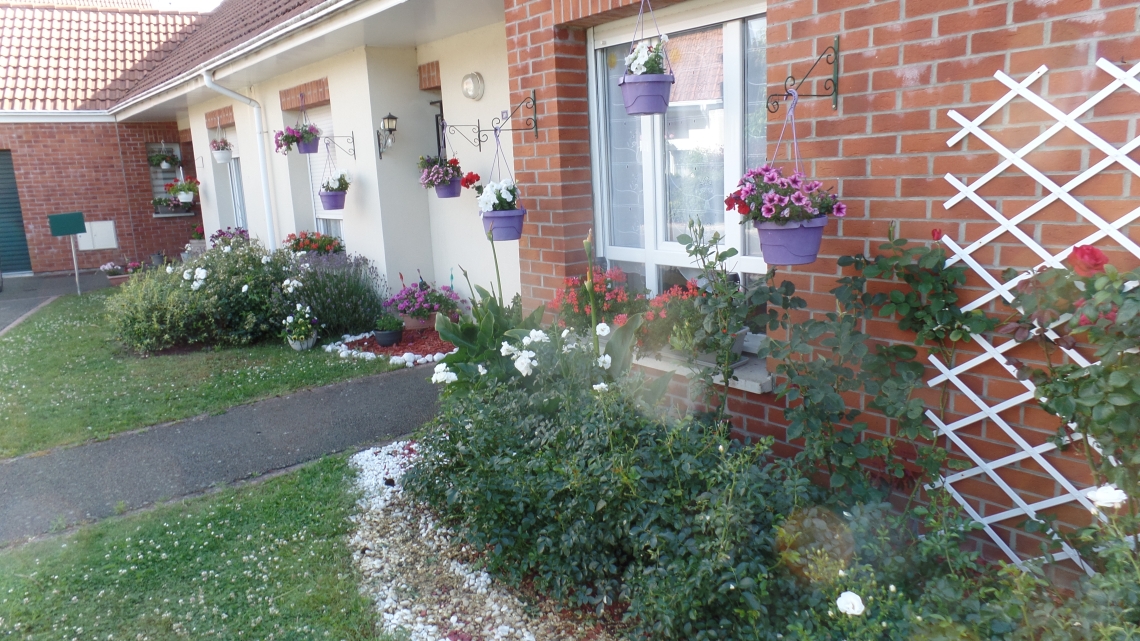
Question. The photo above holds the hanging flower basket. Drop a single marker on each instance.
(451, 189)
(222, 157)
(185, 196)
(222, 150)
(646, 94)
(504, 224)
(648, 77)
(332, 200)
(789, 213)
(309, 146)
(307, 138)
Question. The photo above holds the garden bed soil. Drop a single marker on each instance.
(415, 341)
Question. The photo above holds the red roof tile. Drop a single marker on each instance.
(54, 58)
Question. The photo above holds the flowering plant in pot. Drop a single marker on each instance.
(163, 160)
(389, 330)
(671, 320)
(222, 150)
(646, 83)
(420, 302)
(307, 137)
(616, 303)
(299, 329)
(112, 269)
(789, 213)
(170, 205)
(230, 236)
(314, 241)
(333, 191)
(441, 173)
(498, 207)
(183, 190)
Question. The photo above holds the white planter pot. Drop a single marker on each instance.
(301, 346)
(164, 165)
(222, 157)
(185, 196)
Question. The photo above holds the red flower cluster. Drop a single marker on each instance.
(454, 162)
(573, 303)
(659, 304)
(732, 202)
(469, 180)
(313, 242)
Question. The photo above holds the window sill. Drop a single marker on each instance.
(180, 214)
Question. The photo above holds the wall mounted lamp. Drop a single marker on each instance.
(386, 135)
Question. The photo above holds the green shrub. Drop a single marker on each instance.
(346, 293)
(151, 312)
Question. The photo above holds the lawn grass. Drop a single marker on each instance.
(63, 378)
(267, 561)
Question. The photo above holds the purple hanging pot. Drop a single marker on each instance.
(796, 243)
(646, 94)
(331, 200)
(451, 189)
(504, 225)
(310, 147)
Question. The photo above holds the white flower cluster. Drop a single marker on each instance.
(494, 191)
(524, 359)
(640, 55)
(1107, 496)
(443, 375)
(198, 276)
(536, 336)
(290, 284)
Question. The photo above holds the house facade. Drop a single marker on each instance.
(910, 74)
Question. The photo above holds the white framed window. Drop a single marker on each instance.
(652, 174)
(237, 193)
(321, 165)
(159, 177)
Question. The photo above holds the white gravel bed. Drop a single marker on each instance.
(406, 360)
(423, 583)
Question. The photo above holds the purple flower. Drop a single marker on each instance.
(768, 211)
(783, 183)
(771, 198)
(812, 186)
(797, 180)
(840, 210)
(782, 200)
(800, 200)
(747, 190)
(771, 176)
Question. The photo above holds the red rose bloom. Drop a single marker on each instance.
(936, 234)
(1087, 261)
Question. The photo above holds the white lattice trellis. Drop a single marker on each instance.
(997, 353)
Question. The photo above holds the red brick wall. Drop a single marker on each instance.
(101, 170)
(905, 64)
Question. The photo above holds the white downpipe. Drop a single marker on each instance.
(262, 159)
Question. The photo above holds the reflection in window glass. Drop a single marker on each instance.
(635, 275)
(755, 110)
(627, 205)
(694, 132)
(329, 227)
(668, 277)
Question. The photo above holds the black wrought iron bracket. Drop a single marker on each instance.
(349, 141)
(829, 56)
(476, 135)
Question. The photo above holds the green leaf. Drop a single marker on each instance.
(655, 391)
(620, 347)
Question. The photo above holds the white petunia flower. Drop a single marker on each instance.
(1107, 496)
(187, 275)
(664, 38)
(508, 349)
(265, 260)
(298, 306)
(601, 387)
(602, 329)
(604, 361)
(244, 288)
(850, 604)
(482, 370)
(170, 269)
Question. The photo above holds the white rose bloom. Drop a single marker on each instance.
(442, 367)
(443, 376)
(604, 361)
(508, 349)
(601, 387)
(482, 370)
(1107, 496)
(195, 285)
(602, 329)
(850, 604)
(538, 336)
(187, 275)
(265, 260)
(244, 288)
(170, 269)
(200, 274)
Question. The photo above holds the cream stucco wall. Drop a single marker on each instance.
(386, 212)
(456, 230)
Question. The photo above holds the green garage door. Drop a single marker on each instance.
(13, 244)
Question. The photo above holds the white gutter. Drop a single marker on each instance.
(300, 21)
(263, 161)
(15, 117)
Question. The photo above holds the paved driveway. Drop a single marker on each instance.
(22, 294)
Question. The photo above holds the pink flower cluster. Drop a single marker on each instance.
(766, 195)
(284, 140)
(421, 300)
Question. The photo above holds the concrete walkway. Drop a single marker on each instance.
(21, 294)
(40, 493)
